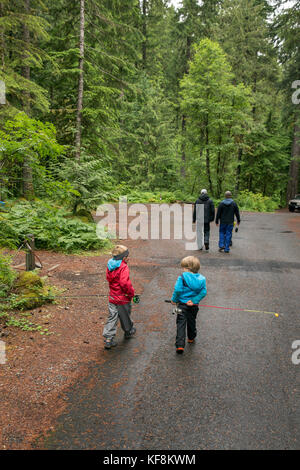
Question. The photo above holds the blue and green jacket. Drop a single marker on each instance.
(194, 288)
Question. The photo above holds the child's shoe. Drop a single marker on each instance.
(131, 333)
(179, 350)
(109, 343)
(191, 341)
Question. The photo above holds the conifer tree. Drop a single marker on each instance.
(215, 109)
(254, 63)
(287, 32)
(22, 30)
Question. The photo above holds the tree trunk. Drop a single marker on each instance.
(238, 170)
(293, 182)
(188, 53)
(208, 160)
(28, 190)
(144, 43)
(26, 67)
(219, 174)
(183, 118)
(250, 179)
(254, 94)
(183, 125)
(2, 42)
(80, 82)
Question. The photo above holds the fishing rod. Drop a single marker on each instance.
(136, 298)
(232, 308)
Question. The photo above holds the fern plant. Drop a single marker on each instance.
(51, 226)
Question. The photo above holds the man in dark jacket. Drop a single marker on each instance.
(226, 211)
(209, 215)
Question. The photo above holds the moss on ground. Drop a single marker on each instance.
(30, 291)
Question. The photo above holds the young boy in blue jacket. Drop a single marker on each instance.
(189, 289)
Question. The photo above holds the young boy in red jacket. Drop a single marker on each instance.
(121, 293)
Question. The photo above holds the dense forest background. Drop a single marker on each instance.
(111, 97)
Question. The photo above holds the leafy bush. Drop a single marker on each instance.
(256, 202)
(246, 200)
(22, 291)
(25, 139)
(147, 197)
(88, 179)
(7, 275)
(51, 227)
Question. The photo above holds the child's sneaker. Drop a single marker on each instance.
(109, 343)
(131, 333)
(191, 341)
(179, 350)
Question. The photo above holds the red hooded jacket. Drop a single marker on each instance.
(120, 287)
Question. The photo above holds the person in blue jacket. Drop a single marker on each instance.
(189, 289)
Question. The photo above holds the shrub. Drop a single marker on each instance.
(7, 275)
(51, 227)
(148, 197)
(30, 291)
(256, 202)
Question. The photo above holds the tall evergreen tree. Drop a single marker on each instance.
(22, 29)
(215, 109)
(287, 31)
(20, 55)
(254, 63)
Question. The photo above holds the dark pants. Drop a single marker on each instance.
(186, 321)
(206, 233)
(200, 233)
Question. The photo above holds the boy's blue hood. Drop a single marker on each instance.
(113, 264)
(194, 281)
(227, 201)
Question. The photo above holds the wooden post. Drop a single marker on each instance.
(30, 261)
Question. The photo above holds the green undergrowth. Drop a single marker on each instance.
(253, 202)
(19, 320)
(53, 228)
(247, 200)
(147, 197)
(20, 292)
(256, 202)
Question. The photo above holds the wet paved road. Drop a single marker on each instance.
(236, 388)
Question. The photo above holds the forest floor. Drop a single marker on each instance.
(41, 369)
